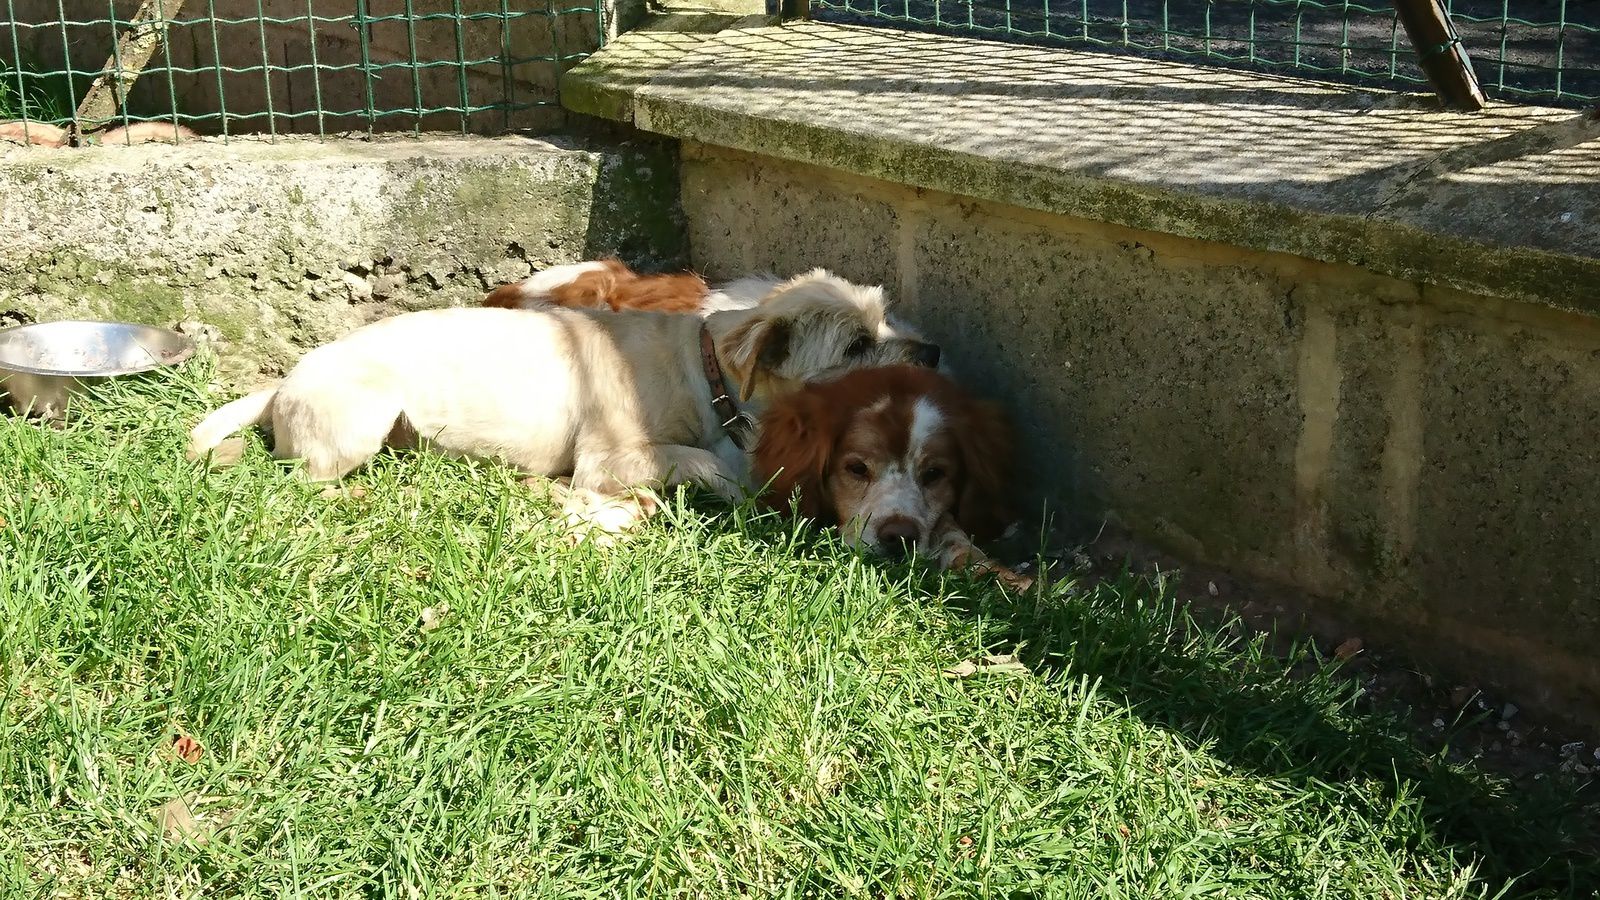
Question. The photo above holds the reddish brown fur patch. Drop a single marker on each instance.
(506, 296)
(614, 287)
(802, 433)
(591, 290)
(680, 293)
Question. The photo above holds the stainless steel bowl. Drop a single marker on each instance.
(42, 365)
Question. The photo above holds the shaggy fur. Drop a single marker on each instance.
(615, 400)
(900, 458)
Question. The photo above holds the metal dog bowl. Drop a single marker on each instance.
(42, 365)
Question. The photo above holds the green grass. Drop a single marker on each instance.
(723, 706)
(24, 93)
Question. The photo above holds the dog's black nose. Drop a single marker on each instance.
(928, 355)
(898, 536)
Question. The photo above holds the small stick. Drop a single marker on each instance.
(146, 31)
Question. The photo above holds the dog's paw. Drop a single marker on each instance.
(600, 518)
(1012, 580)
(221, 456)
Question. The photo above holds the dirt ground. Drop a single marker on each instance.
(1500, 733)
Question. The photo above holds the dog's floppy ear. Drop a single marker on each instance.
(987, 446)
(757, 345)
(792, 454)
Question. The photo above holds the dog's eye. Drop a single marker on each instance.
(932, 476)
(860, 345)
(857, 468)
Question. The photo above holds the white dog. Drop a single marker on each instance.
(617, 401)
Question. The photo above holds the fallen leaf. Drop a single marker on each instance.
(992, 664)
(431, 618)
(187, 748)
(1211, 588)
(181, 820)
(1348, 649)
(1124, 831)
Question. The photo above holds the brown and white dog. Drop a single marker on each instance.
(618, 401)
(900, 458)
(611, 284)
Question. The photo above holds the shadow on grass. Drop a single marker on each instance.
(1223, 690)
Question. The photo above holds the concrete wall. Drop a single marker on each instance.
(282, 246)
(1424, 457)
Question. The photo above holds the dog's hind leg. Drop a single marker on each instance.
(334, 433)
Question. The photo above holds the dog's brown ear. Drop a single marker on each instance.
(791, 456)
(758, 345)
(987, 446)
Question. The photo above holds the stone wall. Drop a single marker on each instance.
(281, 246)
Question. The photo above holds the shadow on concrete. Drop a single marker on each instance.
(1151, 124)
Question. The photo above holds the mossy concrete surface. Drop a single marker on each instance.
(1504, 202)
(605, 87)
(1422, 458)
(281, 246)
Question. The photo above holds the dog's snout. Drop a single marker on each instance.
(898, 536)
(928, 355)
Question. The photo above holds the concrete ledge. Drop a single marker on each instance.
(281, 246)
(1505, 202)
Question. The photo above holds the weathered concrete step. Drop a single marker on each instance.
(283, 245)
(1504, 202)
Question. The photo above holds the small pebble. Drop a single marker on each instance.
(1509, 710)
(1211, 588)
(1572, 749)
(1438, 723)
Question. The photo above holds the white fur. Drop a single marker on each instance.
(616, 400)
(896, 492)
(537, 287)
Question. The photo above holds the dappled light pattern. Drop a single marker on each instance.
(856, 97)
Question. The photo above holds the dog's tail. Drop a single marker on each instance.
(256, 409)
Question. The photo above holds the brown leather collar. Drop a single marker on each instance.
(734, 422)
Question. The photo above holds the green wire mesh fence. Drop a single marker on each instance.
(1542, 51)
(319, 67)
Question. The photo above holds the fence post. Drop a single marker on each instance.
(1440, 53)
(789, 9)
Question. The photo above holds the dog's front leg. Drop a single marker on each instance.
(614, 492)
(957, 551)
